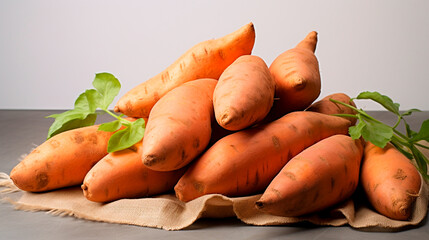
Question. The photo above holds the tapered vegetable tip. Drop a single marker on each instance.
(309, 42)
(207, 59)
(297, 77)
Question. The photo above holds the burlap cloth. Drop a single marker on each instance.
(167, 212)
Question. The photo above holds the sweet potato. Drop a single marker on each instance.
(246, 161)
(207, 59)
(326, 106)
(62, 160)
(319, 177)
(179, 126)
(122, 175)
(390, 181)
(244, 93)
(297, 77)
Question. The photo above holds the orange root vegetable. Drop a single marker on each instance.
(207, 59)
(122, 175)
(297, 77)
(326, 106)
(390, 181)
(179, 126)
(246, 161)
(62, 160)
(244, 94)
(319, 177)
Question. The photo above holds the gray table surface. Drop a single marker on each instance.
(21, 130)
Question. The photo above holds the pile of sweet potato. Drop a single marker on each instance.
(221, 121)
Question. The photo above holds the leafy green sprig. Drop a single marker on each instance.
(87, 107)
(380, 134)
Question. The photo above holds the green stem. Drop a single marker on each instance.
(361, 112)
(401, 141)
(403, 136)
(345, 115)
(397, 122)
(421, 145)
(344, 104)
(123, 120)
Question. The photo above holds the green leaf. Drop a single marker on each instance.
(83, 114)
(108, 87)
(423, 133)
(410, 133)
(70, 120)
(421, 161)
(385, 101)
(409, 112)
(85, 107)
(402, 150)
(90, 101)
(356, 131)
(127, 137)
(377, 133)
(110, 126)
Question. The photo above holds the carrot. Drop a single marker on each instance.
(179, 126)
(246, 161)
(319, 177)
(297, 77)
(326, 106)
(207, 59)
(390, 181)
(62, 160)
(122, 175)
(244, 94)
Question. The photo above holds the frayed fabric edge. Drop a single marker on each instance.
(7, 184)
(54, 212)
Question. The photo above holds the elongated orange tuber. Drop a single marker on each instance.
(207, 59)
(297, 77)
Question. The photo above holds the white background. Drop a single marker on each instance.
(50, 50)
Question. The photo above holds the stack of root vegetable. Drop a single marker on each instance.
(220, 121)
